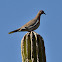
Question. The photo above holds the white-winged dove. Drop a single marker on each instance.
(31, 25)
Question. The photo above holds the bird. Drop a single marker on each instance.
(31, 25)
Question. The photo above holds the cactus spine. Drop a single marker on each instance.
(32, 48)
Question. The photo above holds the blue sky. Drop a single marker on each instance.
(15, 13)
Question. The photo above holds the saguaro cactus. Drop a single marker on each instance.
(32, 48)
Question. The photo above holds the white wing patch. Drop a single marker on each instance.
(31, 26)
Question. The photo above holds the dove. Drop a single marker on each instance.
(31, 25)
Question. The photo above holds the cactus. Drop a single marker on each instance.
(32, 48)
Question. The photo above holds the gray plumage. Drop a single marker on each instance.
(31, 25)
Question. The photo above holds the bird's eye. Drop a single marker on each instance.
(42, 11)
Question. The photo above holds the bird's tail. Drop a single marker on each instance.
(14, 31)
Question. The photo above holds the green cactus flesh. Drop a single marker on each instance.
(32, 48)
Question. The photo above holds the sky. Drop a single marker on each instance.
(15, 13)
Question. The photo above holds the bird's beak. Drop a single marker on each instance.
(44, 13)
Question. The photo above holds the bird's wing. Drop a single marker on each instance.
(30, 24)
(33, 25)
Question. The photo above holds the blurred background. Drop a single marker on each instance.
(15, 13)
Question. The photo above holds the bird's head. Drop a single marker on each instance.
(41, 12)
